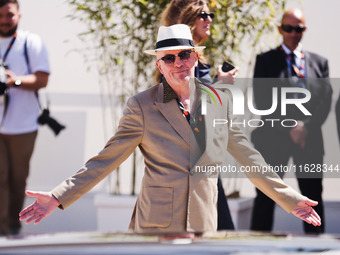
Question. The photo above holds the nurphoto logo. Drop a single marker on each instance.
(238, 99)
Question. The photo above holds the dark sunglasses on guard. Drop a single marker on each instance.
(205, 15)
(170, 58)
(289, 28)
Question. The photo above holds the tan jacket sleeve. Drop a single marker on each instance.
(266, 181)
(117, 149)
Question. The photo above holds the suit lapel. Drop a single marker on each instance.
(173, 115)
(310, 68)
(281, 64)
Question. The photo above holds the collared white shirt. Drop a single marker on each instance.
(23, 107)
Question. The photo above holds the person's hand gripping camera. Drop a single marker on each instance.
(3, 78)
(227, 73)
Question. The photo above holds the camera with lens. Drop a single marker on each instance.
(45, 118)
(3, 77)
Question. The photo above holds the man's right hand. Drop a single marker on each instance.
(45, 204)
(299, 134)
(227, 77)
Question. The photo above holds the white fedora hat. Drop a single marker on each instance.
(175, 37)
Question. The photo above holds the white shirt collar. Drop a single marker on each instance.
(297, 51)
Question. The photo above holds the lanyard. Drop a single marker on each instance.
(9, 47)
(298, 71)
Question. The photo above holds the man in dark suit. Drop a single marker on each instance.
(303, 141)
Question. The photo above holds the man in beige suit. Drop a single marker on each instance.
(174, 196)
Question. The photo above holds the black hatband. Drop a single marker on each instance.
(174, 42)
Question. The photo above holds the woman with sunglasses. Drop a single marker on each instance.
(196, 14)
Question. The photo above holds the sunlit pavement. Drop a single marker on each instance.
(236, 243)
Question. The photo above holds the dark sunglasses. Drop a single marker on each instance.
(170, 58)
(205, 15)
(289, 28)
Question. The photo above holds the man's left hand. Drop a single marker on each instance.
(305, 212)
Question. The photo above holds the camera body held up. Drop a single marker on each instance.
(3, 77)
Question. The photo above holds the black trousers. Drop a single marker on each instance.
(224, 220)
(310, 184)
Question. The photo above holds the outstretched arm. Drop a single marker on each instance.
(45, 204)
(268, 181)
(305, 212)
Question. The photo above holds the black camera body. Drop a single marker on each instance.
(3, 77)
(45, 118)
(226, 67)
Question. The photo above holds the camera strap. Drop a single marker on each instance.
(29, 71)
(3, 61)
(9, 47)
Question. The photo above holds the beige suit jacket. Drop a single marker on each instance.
(173, 197)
